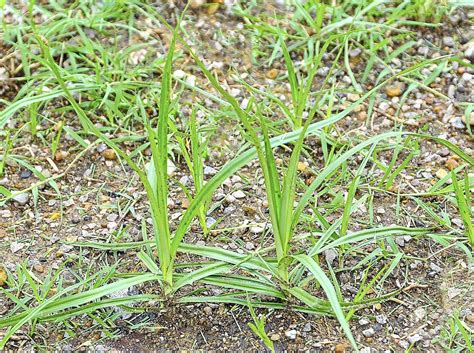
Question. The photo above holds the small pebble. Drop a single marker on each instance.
(60, 155)
(256, 229)
(381, 319)
(3, 277)
(25, 174)
(448, 41)
(368, 332)
(209, 170)
(394, 90)
(38, 268)
(451, 164)
(420, 313)
(272, 74)
(415, 338)
(441, 173)
(109, 154)
(21, 199)
(15, 247)
(239, 194)
(275, 337)
(291, 334)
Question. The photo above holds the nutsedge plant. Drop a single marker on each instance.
(283, 271)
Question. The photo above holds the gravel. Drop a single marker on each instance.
(22, 199)
(368, 332)
(291, 334)
(448, 41)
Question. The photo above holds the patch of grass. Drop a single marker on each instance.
(126, 105)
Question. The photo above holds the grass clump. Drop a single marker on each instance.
(290, 272)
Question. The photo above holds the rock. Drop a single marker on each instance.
(383, 106)
(441, 173)
(208, 311)
(15, 247)
(400, 241)
(197, 3)
(76, 218)
(4, 75)
(394, 90)
(239, 194)
(381, 319)
(101, 148)
(60, 156)
(272, 74)
(470, 318)
(368, 332)
(210, 221)
(469, 52)
(22, 199)
(444, 152)
(466, 77)
(420, 313)
(257, 229)
(5, 213)
(275, 337)
(25, 174)
(185, 203)
(364, 321)
(3, 276)
(302, 166)
(340, 348)
(352, 97)
(457, 122)
(171, 168)
(179, 74)
(291, 334)
(415, 338)
(209, 171)
(453, 292)
(355, 52)
(448, 41)
(423, 51)
(451, 164)
(38, 268)
(404, 344)
(451, 91)
(435, 268)
(330, 255)
(458, 222)
(378, 306)
(212, 8)
(323, 71)
(109, 154)
(230, 199)
(249, 246)
(307, 327)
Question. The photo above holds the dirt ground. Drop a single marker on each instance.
(102, 201)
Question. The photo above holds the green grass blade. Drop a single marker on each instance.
(328, 288)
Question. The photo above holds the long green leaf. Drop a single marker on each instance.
(328, 288)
